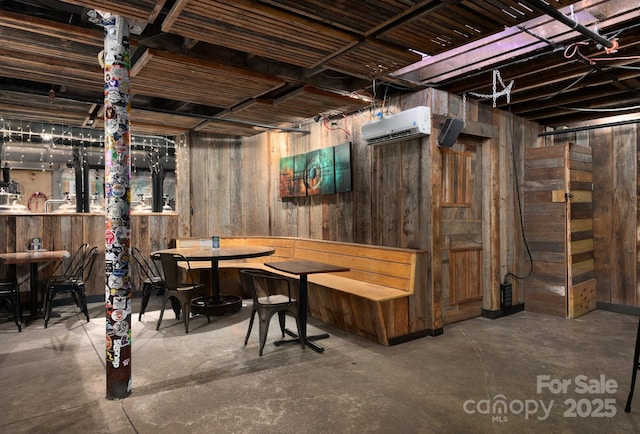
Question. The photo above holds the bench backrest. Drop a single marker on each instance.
(387, 266)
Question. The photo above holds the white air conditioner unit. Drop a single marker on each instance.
(405, 125)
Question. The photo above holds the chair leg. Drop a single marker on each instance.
(83, 303)
(253, 314)
(186, 313)
(264, 329)
(18, 310)
(48, 302)
(281, 319)
(177, 308)
(15, 308)
(146, 294)
(16, 315)
(80, 300)
(164, 303)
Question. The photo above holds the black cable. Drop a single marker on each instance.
(567, 87)
(524, 238)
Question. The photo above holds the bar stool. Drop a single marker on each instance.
(9, 293)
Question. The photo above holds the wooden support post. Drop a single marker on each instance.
(117, 199)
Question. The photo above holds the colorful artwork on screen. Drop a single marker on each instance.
(342, 167)
(318, 172)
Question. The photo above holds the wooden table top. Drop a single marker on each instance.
(301, 267)
(222, 253)
(32, 256)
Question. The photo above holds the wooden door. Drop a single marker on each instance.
(461, 223)
(558, 217)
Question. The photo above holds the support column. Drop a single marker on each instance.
(117, 172)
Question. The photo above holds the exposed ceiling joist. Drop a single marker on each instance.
(216, 64)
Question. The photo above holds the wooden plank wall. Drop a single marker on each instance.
(58, 232)
(68, 231)
(396, 191)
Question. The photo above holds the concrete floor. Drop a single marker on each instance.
(207, 381)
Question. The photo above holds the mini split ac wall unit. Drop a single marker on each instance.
(405, 125)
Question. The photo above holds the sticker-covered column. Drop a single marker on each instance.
(117, 191)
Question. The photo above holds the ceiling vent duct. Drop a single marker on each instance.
(406, 125)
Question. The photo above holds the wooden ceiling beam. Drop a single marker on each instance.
(51, 29)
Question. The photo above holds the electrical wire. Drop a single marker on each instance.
(568, 87)
(573, 50)
(632, 68)
(384, 99)
(334, 77)
(330, 128)
(615, 58)
(602, 110)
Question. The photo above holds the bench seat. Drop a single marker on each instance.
(358, 288)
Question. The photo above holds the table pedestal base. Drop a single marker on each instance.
(216, 306)
(309, 342)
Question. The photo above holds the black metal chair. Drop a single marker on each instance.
(74, 285)
(184, 292)
(62, 272)
(10, 295)
(151, 280)
(271, 294)
(75, 261)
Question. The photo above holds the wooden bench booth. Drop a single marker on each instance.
(383, 297)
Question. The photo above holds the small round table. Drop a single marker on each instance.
(219, 304)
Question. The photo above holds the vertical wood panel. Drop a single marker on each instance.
(390, 185)
(465, 267)
(410, 193)
(93, 234)
(256, 182)
(199, 191)
(581, 282)
(183, 185)
(362, 182)
(623, 239)
(284, 213)
(492, 219)
(440, 105)
(236, 188)
(603, 210)
(218, 177)
(636, 290)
